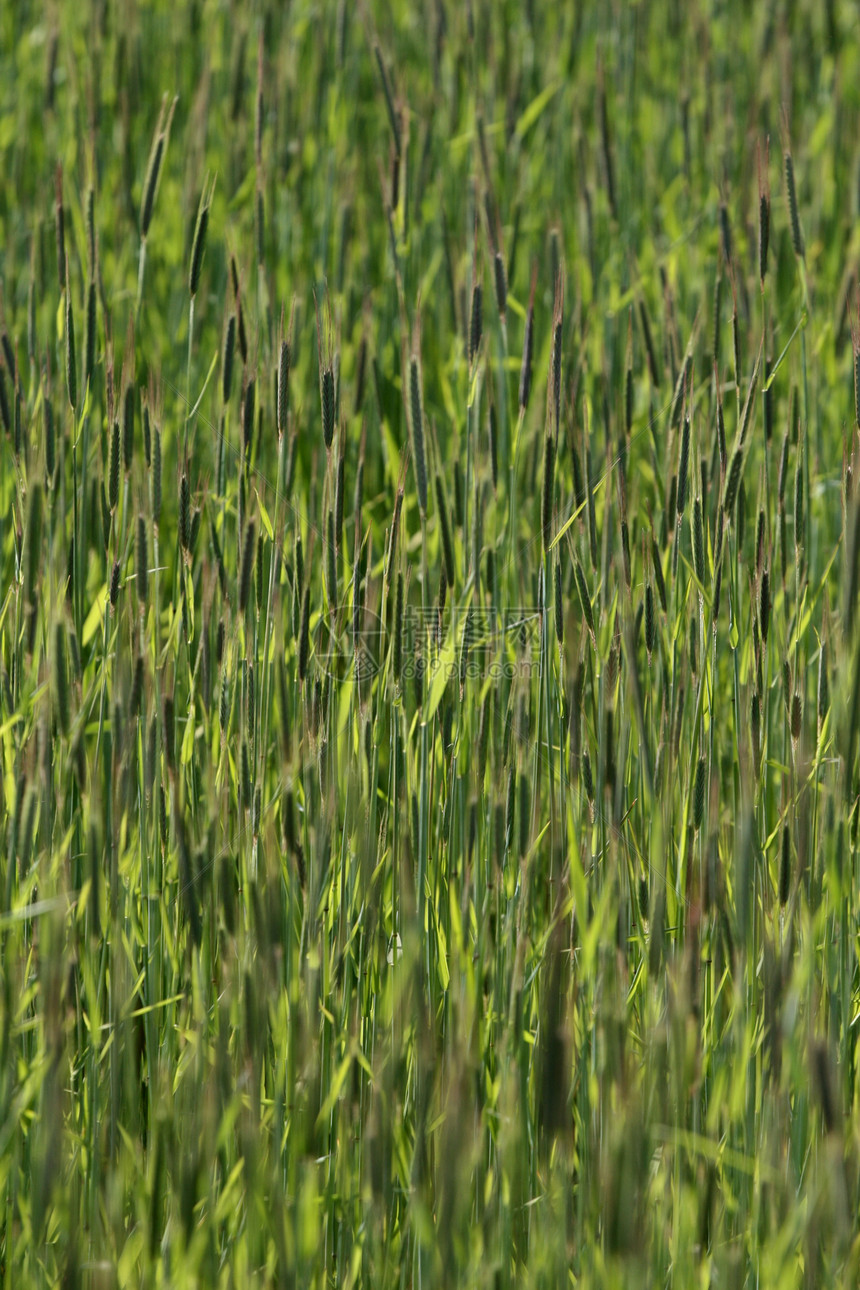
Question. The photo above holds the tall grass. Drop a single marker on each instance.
(429, 796)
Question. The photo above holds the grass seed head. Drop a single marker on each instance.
(283, 386)
(227, 359)
(114, 467)
(198, 245)
(791, 190)
(476, 321)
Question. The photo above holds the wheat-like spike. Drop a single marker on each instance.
(128, 428)
(198, 245)
(141, 561)
(660, 581)
(227, 359)
(764, 606)
(699, 795)
(283, 386)
(476, 321)
(304, 635)
(796, 232)
(796, 720)
(501, 283)
(154, 165)
(156, 477)
(585, 600)
(698, 543)
(114, 467)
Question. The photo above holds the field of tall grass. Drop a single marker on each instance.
(429, 647)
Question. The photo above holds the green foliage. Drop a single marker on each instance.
(408, 885)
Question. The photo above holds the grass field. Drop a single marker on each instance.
(429, 647)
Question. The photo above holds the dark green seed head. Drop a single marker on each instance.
(33, 545)
(584, 600)
(721, 438)
(785, 866)
(755, 732)
(304, 635)
(699, 795)
(764, 605)
(328, 402)
(791, 189)
(796, 717)
(783, 471)
(114, 585)
(683, 468)
(227, 359)
(147, 436)
(128, 428)
(733, 480)
(156, 477)
(150, 184)
(198, 246)
(283, 386)
(476, 320)
(698, 543)
(113, 473)
(650, 621)
(501, 283)
(248, 412)
(169, 733)
(136, 687)
(587, 777)
(494, 446)
(660, 581)
(763, 235)
(61, 678)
